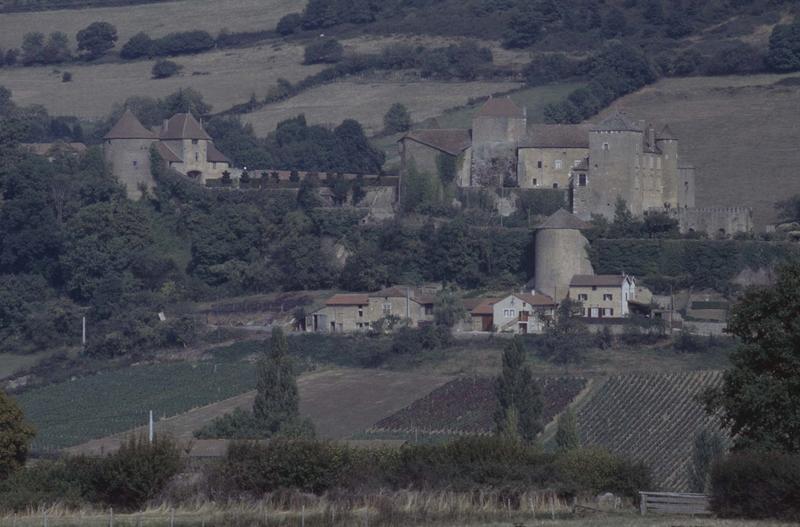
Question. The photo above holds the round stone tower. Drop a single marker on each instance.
(560, 254)
(127, 150)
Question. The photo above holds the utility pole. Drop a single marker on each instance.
(150, 428)
(83, 332)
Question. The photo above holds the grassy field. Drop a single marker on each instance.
(368, 100)
(740, 132)
(11, 363)
(223, 77)
(156, 19)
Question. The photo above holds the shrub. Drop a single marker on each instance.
(66, 482)
(183, 42)
(139, 45)
(15, 436)
(165, 68)
(757, 485)
(397, 119)
(741, 59)
(137, 472)
(66, 77)
(596, 470)
(325, 51)
(289, 24)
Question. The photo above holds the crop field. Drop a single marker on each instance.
(367, 101)
(156, 19)
(653, 418)
(467, 406)
(740, 132)
(225, 78)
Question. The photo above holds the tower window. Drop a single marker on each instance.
(194, 141)
(581, 180)
(555, 185)
(135, 163)
(196, 156)
(538, 164)
(605, 146)
(559, 164)
(536, 183)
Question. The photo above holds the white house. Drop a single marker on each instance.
(604, 295)
(523, 313)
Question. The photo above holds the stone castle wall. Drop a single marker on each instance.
(715, 221)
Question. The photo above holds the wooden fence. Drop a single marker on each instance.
(674, 503)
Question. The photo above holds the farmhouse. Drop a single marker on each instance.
(523, 313)
(181, 142)
(345, 313)
(603, 296)
(594, 164)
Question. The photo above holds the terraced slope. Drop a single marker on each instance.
(652, 418)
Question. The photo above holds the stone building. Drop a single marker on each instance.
(181, 142)
(603, 296)
(559, 254)
(596, 165)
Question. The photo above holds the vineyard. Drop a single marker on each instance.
(466, 406)
(652, 418)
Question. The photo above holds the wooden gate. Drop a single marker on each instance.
(674, 503)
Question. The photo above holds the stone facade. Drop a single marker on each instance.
(346, 313)
(714, 221)
(523, 313)
(603, 296)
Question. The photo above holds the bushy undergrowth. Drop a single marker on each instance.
(757, 485)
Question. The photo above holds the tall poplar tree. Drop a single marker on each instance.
(517, 393)
(277, 399)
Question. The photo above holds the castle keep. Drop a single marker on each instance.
(595, 164)
(181, 142)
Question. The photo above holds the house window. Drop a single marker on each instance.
(576, 162)
(594, 288)
(608, 312)
(583, 297)
(360, 311)
(605, 147)
(135, 163)
(555, 185)
(387, 308)
(581, 180)
(536, 183)
(194, 141)
(583, 311)
(608, 297)
(559, 164)
(509, 313)
(538, 164)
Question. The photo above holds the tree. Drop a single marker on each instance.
(525, 28)
(289, 24)
(789, 209)
(56, 50)
(397, 119)
(614, 23)
(517, 392)
(96, 39)
(709, 447)
(15, 436)
(139, 45)
(784, 47)
(277, 399)
(624, 224)
(325, 51)
(32, 48)
(568, 338)
(165, 68)
(760, 393)
(567, 437)
(448, 309)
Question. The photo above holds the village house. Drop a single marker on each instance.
(518, 313)
(346, 313)
(603, 296)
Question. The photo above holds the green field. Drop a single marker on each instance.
(71, 412)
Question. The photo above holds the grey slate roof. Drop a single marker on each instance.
(501, 107)
(129, 127)
(666, 134)
(451, 141)
(618, 122)
(597, 280)
(562, 219)
(183, 126)
(557, 136)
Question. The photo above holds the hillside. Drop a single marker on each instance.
(740, 132)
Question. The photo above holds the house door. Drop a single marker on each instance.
(333, 327)
(523, 329)
(595, 313)
(486, 323)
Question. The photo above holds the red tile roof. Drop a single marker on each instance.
(536, 299)
(450, 141)
(485, 308)
(501, 107)
(561, 219)
(213, 155)
(348, 300)
(129, 127)
(183, 126)
(599, 280)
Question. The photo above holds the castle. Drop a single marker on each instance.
(595, 164)
(181, 142)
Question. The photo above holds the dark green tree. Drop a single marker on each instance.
(165, 68)
(325, 51)
(96, 39)
(139, 45)
(567, 437)
(624, 224)
(277, 399)
(397, 119)
(518, 395)
(33, 48)
(15, 436)
(289, 24)
(56, 49)
(760, 393)
(784, 47)
(524, 28)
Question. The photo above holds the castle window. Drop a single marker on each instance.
(582, 180)
(536, 183)
(559, 164)
(196, 156)
(605, 146)
(194, 141)
(555, 185)
(538, 164)
(135, 163)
